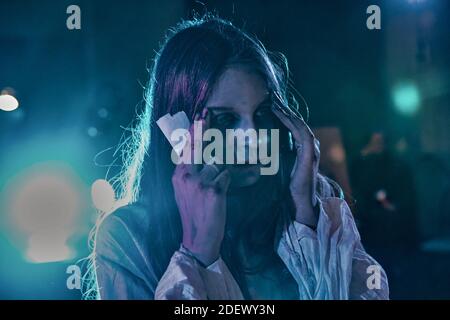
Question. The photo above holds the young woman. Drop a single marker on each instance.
(206, 231)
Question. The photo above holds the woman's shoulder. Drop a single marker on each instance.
(122, 244)
(123, 234)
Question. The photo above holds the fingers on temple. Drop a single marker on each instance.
(298, 127)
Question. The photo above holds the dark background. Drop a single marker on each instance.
(79, 89)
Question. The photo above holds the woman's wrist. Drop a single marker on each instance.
(203, 260)
(307, 215)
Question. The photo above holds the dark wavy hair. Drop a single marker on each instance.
(193, 56)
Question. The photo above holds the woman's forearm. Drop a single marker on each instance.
(330, 262)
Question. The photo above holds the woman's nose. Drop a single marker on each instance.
(248, 125)
(248, 147)
(255, 138)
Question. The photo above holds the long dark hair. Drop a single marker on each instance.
(193, 56)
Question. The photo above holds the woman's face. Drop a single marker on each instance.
(240, 100)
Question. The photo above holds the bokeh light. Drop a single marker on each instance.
(8, 102)
(44, 204)
(103, 113)
(92, 132)
(103, 195)
(406, 98)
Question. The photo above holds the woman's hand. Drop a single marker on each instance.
(303, 180)
(200, 195)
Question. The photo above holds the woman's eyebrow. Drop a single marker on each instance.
(219, 108)
(264, 103)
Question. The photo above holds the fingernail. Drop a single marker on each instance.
(204, 112)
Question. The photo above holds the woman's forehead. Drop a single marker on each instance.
(238, 88)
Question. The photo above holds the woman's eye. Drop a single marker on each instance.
(264, 114)
(224, 119)
(263, 111)
(265, 118)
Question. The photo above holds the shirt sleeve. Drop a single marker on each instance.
(116, 282)
(185, 279)
(121, 270)
(330, 262)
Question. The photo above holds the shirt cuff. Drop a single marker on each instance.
(188, 253)
(303, 231)
(218, 281)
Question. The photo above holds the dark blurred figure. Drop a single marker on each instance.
(386, 207)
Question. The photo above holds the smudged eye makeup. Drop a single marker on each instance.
(264, 117)
(226, 118)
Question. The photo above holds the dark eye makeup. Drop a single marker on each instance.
(222, 117)
(264, 110)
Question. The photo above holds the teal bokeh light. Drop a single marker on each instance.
(406, 98)
(44, 203)
(44, 197)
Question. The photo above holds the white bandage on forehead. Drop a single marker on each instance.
(169, 124)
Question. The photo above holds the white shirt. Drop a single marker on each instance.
(327, 263)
